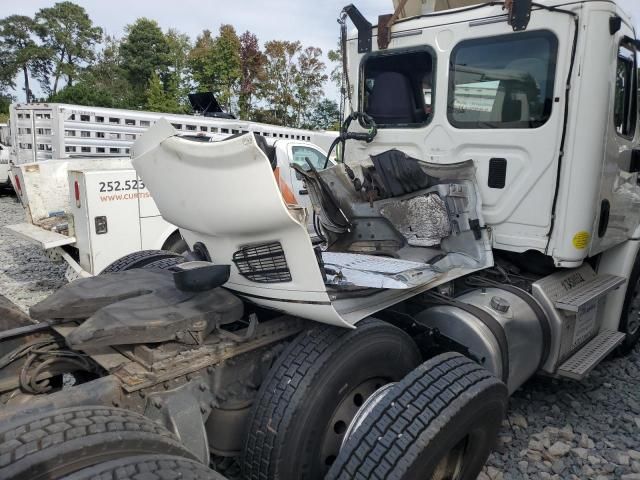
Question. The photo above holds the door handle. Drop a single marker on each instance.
(304, 191)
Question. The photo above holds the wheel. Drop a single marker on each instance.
(630, 317)
(310, 395)
(164, 263)
(147, 467)
(138, 260)
(59, 442)
(439, 422)
(176, 244)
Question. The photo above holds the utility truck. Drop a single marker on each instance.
(481, 227)
(84, 203)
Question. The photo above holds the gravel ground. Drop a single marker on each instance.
(555, 430)
(26, 274)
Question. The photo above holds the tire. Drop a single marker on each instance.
(164, 263)
(147, 467)
(137, 260)
(59, 442)
(630, 317)
(306, 402)
(449, 404)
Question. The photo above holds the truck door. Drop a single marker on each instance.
(106, 217)
(619, 202)
(478, 91)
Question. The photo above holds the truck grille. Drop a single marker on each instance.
(263, 263)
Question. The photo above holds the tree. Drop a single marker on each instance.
(103, 83)
(226, 65)
(145, 52)
(309, 80)
(69, 34)
(84, 93)
(215, 64)
(177, 79)
(5, 103)
(161, 98)
(324, 116)
(252, 62)
(20, 52)
(200, 61)
(278, 87)
(335, 56)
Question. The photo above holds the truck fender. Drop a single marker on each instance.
(617, 261)
(161, 242)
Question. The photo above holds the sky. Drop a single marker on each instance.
(311, 22)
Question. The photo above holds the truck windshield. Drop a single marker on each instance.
(503, 82)
(397, 87)
(316, 157)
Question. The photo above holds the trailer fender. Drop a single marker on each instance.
(618, 261)
(163, 239)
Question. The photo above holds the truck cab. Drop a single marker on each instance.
(553, 179)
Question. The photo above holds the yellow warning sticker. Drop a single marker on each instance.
(581, 240)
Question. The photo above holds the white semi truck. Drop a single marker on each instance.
(85, 205)
(482, 227)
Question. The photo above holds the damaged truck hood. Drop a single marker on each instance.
(224, 196)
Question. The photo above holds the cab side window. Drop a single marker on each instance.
(398, 87)
(625, 109)
(503, 82)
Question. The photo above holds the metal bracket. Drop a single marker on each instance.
(183, 412)
(519, 14)
(364, 28)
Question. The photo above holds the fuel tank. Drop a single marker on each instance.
(503, 330)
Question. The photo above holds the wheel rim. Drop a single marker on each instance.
(342, 418)
(450, 466)
(633, 319)
(366, 408)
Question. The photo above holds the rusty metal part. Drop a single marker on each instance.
(385, 22)
(137, 373)
(103, 391)
(519, 12)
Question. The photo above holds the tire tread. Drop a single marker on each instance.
(389, 440)
(292, 375)
(138, 260)
(148, 467)
(72, 432)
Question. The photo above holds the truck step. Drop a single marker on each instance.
(590, 290)
(584, 360)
